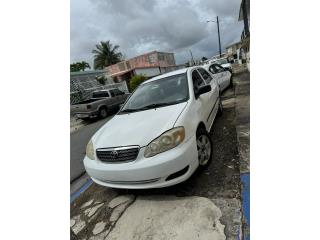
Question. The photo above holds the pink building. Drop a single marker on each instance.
(149, 64)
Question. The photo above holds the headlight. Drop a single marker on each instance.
(90, 150)
(166, 141)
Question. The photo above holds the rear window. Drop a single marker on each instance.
(100, 94)
(205, 75)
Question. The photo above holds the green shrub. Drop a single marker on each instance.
(101, 80)
(135, 81)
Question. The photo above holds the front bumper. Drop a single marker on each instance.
(86, 114)
(146, 172)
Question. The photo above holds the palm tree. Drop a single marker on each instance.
(106, 54)
(83, 65)
(79, 66)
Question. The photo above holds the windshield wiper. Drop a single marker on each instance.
(128, 110)
(150, 106)
(156, 105)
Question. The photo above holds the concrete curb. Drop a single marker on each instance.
(79, 187)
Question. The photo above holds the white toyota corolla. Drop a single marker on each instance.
(160, 135)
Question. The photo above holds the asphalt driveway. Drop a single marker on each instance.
(78, 143)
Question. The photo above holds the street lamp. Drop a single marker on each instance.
(218, 32)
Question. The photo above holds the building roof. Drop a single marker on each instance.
(120, 73)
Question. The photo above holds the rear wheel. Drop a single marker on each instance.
(204, 148)
(103, 112)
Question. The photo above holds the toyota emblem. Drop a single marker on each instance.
(114, 154)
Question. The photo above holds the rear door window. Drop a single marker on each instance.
(212, 69)
(197, 80)
(205, 75)
(112, 93)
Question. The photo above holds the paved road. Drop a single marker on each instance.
(78, 143)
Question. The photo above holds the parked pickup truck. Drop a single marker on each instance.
(100, 104)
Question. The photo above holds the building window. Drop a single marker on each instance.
(128, 65)
(152, 58)
(122, 66)
(161, 56)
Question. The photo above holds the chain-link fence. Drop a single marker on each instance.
(81, 87)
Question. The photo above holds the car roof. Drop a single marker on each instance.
(175, 72)
(217, 60)
(169, 74)
(220, 58)
(209, 64)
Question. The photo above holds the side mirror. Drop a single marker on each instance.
(202, 90)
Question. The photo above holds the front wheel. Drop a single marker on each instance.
(204, 148)
(103, 112)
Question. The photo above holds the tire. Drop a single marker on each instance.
(103, 113)
(204, 148)
(220, 109)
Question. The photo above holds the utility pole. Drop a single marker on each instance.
(217, 21)
(219, 35)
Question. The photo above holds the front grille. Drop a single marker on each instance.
(118, 155)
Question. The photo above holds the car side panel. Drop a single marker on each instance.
(214, 99)
(213, 103)
(194, 112)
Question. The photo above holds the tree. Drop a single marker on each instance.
(106, 54)
(101, 80)
(79, 66)
(135, 81)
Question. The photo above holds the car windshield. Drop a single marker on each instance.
(158, 93)
(221, 61)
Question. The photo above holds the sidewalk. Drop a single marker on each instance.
(242, 108)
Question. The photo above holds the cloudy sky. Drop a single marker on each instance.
(141, 26)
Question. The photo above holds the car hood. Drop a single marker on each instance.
(137, 128)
